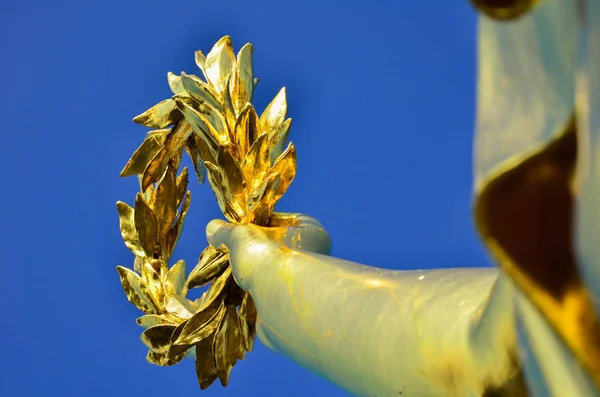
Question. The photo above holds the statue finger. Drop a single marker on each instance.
(302, 232)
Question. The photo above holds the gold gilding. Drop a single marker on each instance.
(525, 214)
(214, 122)
(505, 9)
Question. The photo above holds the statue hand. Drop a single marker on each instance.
(252, 247)
(356, 325)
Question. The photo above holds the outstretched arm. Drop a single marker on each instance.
(373, 331)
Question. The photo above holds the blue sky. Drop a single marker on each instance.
(382, 98)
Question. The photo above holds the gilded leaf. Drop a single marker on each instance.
(234, 179)
(235, 342)
(219, 346)
(219, 62)
(149, 193)
(205, 260)
(182, 182)
(151, 270)
(194, 119)
(237, 91)
(215, 121)
(156, 168)
(211, 264)
(285, 166)
(177, 141)
(244, 61)
(175, 280)
(257, 162)
(227, 345)
(205, 362)
(199, 90)
(277, 143)
(259, 193)
(200, 59)
(215, 289)
(175, 231)
(229, 111)
(264, 207)
(192, 150)
(137, 263)
(171, 150)
(248, 316)
(136, 290)
(146, 225)
(150, 320)
(158, 337)
(217, 185)
(201, 325)
(161, 115)
(206, 153)
(128, 231)
(246, 130)
(146, 152)
(176, 151)
(274, 115)
(165, 204)
(175, 84)
(164, 359)
(179, 306)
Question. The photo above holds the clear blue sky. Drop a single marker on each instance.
(382, 97)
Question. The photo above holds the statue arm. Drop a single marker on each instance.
(373, 331)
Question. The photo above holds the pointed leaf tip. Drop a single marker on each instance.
(161, 115)
(219, 63)
(175, 84)
(246, 73)
(146, 225)
(136, 290)
(274, 115)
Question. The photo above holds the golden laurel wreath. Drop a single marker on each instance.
(249, 169)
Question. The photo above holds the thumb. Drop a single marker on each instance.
(247, 250)
(218, 234)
